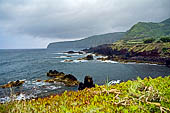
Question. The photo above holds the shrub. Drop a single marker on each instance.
(165, 39)
(150, 40)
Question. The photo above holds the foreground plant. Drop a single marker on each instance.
(143, 96)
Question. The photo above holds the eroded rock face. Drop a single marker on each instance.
(88, 83)
(13, 84)
(67, 79)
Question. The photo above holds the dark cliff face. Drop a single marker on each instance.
(102, 49)
(108, 51)
(150, 55)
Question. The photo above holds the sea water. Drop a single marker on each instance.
(33, 64)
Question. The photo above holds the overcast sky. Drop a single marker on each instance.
(35, 23)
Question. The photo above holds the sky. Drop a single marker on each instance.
(28, 24)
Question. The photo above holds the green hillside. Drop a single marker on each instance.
(89, 42)
(149, 30)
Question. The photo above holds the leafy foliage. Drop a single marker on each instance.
(141, 96)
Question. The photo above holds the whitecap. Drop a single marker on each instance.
(53, 87)
(114, 82)
(62, 57)
(109, 61)
(77, 61)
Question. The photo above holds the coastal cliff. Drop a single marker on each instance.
(144, 42)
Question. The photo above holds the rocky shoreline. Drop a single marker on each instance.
(125, 55)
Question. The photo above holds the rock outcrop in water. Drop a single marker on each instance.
(55, 73)
(75, 52)
(13, 84)
(88, 57)
(67, 79)
(88, 83)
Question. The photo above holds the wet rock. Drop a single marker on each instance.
(167, 62)
(68, 80)
(68, 60)
(70, 52)
(88, 57)
(103, 58)
(81, 86)
(69, 56)
(13, 84)
(55, 73)
(38, 80)
(74, 52)
(70, 77)
(88, 83)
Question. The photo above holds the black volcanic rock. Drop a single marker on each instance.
(68, 80)
(13, 84)
(88, 83)
(71, 77)
(81, 86)
(168, 63)
(88, 57)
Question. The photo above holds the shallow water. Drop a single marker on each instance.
(31, 65)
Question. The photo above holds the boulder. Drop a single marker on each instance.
(68, 60)
(70, 77)
(70, 52)
(81, 86)
(88, 57)
(55, 73)
(88, 83)
(167, 62)
(38, 80)
(68, 80)
(73, 52)
(13, 84)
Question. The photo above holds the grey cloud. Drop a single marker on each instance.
(66, 19)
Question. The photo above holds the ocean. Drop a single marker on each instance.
(33, 64)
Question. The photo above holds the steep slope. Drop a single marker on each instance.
(89, 42)
(149, 30)
(144, 42)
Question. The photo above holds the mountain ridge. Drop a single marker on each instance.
(91, 41)
(141, 30)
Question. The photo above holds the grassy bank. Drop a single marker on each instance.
(148, 95)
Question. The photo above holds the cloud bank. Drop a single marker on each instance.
(74, 19)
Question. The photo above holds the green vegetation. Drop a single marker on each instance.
(149, 40)
(89, 42)
(139, 46)
(143, 30)
(140, 96)
(165, 39)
